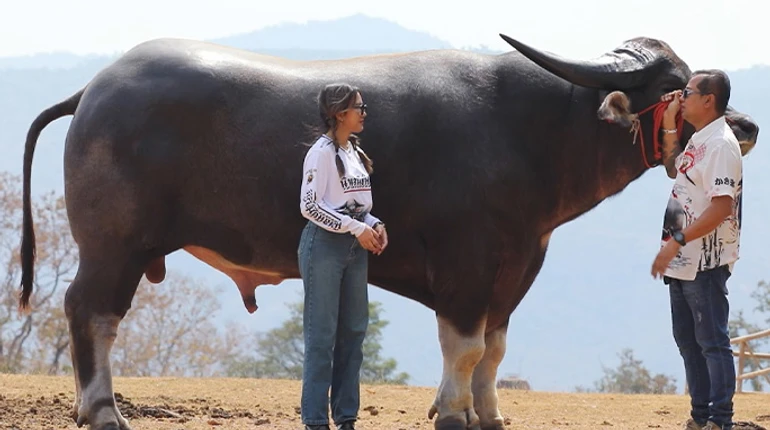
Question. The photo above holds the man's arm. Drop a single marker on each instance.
(720, 208)
(671, 148)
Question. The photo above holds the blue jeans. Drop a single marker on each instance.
(699, 314)
(334, 269)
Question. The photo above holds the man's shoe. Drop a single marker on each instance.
(691, 424)
(317, 427)
(347, 425)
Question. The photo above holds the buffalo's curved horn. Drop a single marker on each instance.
(622, 68)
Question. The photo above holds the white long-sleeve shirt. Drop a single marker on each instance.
(340, 205)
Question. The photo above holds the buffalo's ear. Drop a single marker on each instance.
(616, 109)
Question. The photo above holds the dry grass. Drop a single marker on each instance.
(43, 402)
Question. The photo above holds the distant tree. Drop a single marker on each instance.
(36, 340)
(280, 352)
(169, 331)
(631, 377)
(52, 346)
(375, 368)
(739, 326)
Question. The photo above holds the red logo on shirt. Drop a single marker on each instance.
(687, 162)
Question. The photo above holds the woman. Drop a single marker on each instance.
(336, 198)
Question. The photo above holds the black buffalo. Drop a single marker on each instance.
(478, 158)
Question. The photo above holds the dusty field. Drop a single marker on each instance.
(41, 402)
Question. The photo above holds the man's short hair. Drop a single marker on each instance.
(717, 83)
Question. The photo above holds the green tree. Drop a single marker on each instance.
(631, 377)
(280, 352)
(375, 368)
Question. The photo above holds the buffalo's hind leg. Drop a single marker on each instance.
(95, 303)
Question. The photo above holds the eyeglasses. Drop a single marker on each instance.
(361, 108)
(688, 92)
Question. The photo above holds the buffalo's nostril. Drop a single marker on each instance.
(747, 127)
(751, 129)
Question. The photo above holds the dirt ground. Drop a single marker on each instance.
(44, 402)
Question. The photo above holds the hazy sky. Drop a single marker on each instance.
(705, 33)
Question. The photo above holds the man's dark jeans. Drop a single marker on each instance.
(699, 314)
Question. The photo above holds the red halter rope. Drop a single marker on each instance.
(657, 116)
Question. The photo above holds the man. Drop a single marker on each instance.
(701, 241)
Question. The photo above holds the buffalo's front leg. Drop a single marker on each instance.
(462, 266)
(484, 385)
(454, 400)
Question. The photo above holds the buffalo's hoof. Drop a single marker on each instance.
(82, 421)
(494, 427)
(453, 423)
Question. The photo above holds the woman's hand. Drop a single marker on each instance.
(370, 240)
(380, 229)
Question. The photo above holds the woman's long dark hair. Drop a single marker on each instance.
(333, 99)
